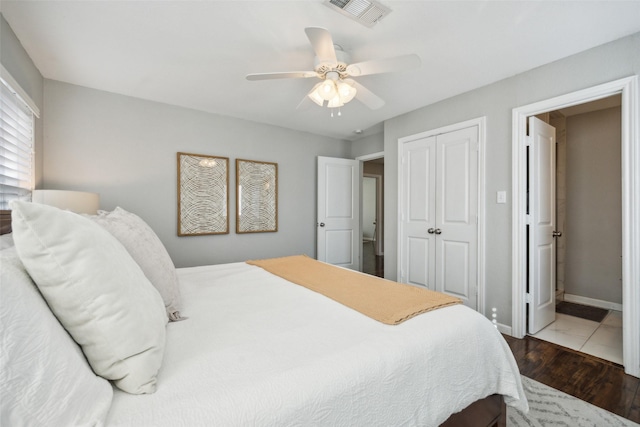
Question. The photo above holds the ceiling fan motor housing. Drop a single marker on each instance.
(322, 68)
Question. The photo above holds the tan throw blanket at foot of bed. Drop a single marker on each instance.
(383, 300)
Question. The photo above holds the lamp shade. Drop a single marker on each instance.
(346, 90)
(335, 102)
(327, 90)
(314, 96)
(74, 201)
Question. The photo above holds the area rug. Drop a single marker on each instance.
(596, 314)
(550, 407)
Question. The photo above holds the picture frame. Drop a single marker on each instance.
(256, 196)
(203, 194)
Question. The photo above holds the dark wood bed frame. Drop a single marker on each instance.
(5, 222)
(488, 412)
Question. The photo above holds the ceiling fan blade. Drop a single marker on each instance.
(388, 65)
(367, 97)
(282, 75)
(304, 104)
(322, 43)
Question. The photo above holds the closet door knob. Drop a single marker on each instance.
(431, 230)
(556, 233)
(438, 231)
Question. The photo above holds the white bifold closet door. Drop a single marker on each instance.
(438, 213)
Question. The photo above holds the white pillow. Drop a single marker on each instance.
(147, 250)
(96, 290)
(44, 377)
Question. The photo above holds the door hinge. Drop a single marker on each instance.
(528, 141)
(528, 298)
(527, 219)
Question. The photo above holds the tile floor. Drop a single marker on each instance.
(602, 340)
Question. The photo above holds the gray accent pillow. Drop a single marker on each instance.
(147, 250)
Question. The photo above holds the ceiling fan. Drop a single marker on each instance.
(332, 67)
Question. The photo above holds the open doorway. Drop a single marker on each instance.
(372, 214)
(522, 293)
(587, 230)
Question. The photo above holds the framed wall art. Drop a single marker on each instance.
(256, 196)
(203, 194)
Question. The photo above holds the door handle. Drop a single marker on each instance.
(431, 230)
(321, 224)
(556, 233)
(438, 231)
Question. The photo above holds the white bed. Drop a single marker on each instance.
(258, 350)
(254, 350)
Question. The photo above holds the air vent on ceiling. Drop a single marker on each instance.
(366, 12)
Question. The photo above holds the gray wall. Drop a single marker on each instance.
(18, 63)
(125, 149)
(367, 145)
(599, 65)
(593, 228)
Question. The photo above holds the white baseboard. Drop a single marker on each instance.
(593, 302)
(559, 295)
(504, 329)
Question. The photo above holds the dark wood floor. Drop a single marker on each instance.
(597, 381)
(371, 263)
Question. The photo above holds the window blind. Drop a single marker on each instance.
(16, 147)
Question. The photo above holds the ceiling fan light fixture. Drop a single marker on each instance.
(346, 90)
(315, 96)
(327, 90)
(335, 102)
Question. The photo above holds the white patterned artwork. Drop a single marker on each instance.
(256, 196)
(203, 195)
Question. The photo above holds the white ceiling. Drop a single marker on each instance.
(196, 54)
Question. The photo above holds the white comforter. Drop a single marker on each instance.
(260, 351)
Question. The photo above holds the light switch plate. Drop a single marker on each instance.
(501, 197)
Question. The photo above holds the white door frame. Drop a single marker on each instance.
(481, 122)
(630, 145)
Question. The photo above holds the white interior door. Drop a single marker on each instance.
(338, 225)
(438, 231)
(456, 214)
(418, 213)
(542, 222)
